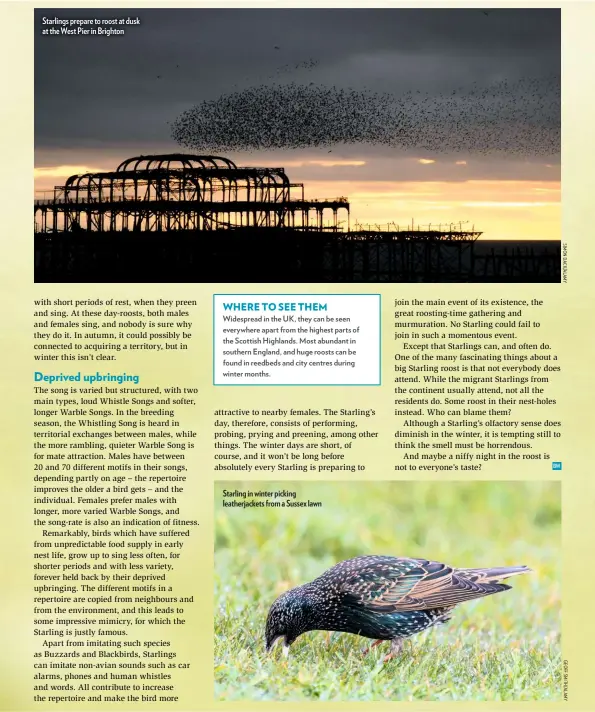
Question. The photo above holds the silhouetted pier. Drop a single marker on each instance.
(184, 218)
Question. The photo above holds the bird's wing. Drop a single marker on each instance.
(413, 585)
(493, 574)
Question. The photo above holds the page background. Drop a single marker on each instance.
(570, 312)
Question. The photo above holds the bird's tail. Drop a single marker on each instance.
(493, 575)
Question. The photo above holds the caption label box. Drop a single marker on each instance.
(296, 339)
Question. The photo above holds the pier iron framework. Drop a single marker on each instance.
(183, 217)
(176, 192)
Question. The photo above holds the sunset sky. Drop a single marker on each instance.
(99, 100)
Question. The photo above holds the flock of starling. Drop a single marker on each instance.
(307, 65)
(380, 597)
(507, 117)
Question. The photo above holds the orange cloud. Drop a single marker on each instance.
(502, 210)
(502, 204)
(328, 163)
(63, 171)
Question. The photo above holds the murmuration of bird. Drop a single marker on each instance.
(509, 117)
(307, 65)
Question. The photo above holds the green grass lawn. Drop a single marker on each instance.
(502, 647)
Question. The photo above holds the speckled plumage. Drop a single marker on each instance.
(381, 597)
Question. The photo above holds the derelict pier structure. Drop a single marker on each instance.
(187, 218)
(184, 192)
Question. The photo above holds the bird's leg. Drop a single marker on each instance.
(396, 646)
(374, 644)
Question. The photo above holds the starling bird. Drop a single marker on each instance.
(380, 597)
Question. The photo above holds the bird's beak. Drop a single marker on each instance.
(270, 647)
